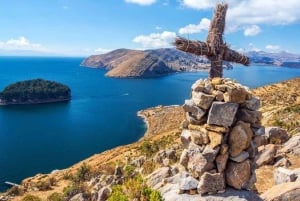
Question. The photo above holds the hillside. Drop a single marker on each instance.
(148, 63)
(278, 59)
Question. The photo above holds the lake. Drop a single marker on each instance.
(102, 114)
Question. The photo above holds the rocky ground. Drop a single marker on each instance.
(161, 148)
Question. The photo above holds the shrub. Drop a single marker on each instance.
(15, 191)
(55, 197)
(83, 173)
(30, 197)
(117, 194)
(156, 196)
(43, 185)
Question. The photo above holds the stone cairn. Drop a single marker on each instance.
(222, 118)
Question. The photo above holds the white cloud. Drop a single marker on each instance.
(195, 28)
(273, 47)
(248, 12)
(22, 44)
(156, 40)
(141, 2)
(252, 30)
(252, 47)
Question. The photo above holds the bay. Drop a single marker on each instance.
(102, 114)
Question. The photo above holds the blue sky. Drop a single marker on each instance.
(84, 27)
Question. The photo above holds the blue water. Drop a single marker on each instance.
(102, 113)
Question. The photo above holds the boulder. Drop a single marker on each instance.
(199, 137)
(266, 155)
(260, 140)
(282, 175)
(184, 158)
(240, 158)
(185, 137)
(259, 131)
(276, 135)
(188, 183)
(198, 164)
(190, 107)
(78, 197)
(215, 139)
(193, 120)
(221, 161)
(198, 86)
(252, 104)
(238, 174)
(118, 171)
(222, 114)
(235, 95)
(239, 138)
(211, 183)
(283, 192)
(210, 153)
(252, 150)
(292, 145)
(103, 193)
(202, 100)
(158, 175)
(215, 128)
(249, 116)
(219, 95)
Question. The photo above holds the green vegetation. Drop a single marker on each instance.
(31, 198)
(37, 90)
(134, 189)
(55, 197)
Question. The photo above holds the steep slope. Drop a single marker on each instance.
(149, 63)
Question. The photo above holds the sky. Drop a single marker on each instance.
(85, 27)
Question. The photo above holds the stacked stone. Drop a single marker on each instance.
(222, 119)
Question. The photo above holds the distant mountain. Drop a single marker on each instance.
(279, 58)
(156, 62)
(147, 63)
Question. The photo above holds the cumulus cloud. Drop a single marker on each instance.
(141, 2)
(195, 28)
(21, 43)
(252, 30)
(249, 12)
(273, 47)
(155, 40)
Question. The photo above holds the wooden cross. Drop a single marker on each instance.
(214, 48)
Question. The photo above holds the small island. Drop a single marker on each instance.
(34, 91)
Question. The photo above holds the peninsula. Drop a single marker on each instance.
(34, 91)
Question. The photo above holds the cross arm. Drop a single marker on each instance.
(233, 56)
(191, 46)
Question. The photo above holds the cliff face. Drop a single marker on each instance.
(148, 63)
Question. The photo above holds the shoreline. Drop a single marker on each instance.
(34, 102)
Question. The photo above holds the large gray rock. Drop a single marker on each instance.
(276, 135)
(282, 175)
(238, 174)
(211, 183)
(199, 137)
(210, 153)
(249, 116)
(236, 94)
(156, 177)
(103, 193)
(252, 104)
(283, 192)
(239, 138)
(198, 164)
(185, 137)
(222, 114)
(169, 193)
(202, 100)
(190, 107)
(292, 145)
(188, 183)
(184, 158)
(266, 155)
(78, 197)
